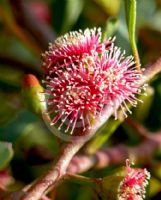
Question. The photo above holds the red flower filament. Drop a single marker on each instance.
(72, 47)
(133, 187)
(84, 77)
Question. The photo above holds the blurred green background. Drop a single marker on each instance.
(27, 147)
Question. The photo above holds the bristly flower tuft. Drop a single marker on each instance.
(72, 47)
(83, 76)
(133, 186)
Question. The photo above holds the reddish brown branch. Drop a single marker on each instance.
(141, 130)
(116, 155)
(56, 172)
(152, 69)
(59, 167)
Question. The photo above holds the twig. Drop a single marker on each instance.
(81, 179)
(81, 163)
(59, 167)
(45, 198)
(116, 155)
(141, 130)
(152, 69)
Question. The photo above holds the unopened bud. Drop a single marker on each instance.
(33, 94)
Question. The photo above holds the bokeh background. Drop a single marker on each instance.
(27, 147)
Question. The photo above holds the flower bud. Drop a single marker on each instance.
(127, 184)
(33, 94)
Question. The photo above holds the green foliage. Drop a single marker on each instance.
(6, 154)
(110, 8)
(144, 107)
(72, 11)
(130, 9)
(110, 27)
(13, 129)
(102, 136)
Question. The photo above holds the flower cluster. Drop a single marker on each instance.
(85, 75)
(72, 48)
(133, 186)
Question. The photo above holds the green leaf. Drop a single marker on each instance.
(102, 135)
(84, 193)
(130, 10)
(111, 8)
(155, 187)
(6, 154)
(8, 110)
(110, 27)
(143, 109)
(65, 14)
(12, 131)
(72, 12)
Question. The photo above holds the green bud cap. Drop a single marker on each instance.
(33, 94)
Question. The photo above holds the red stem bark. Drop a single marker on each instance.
(59, 167)
(116, 155)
